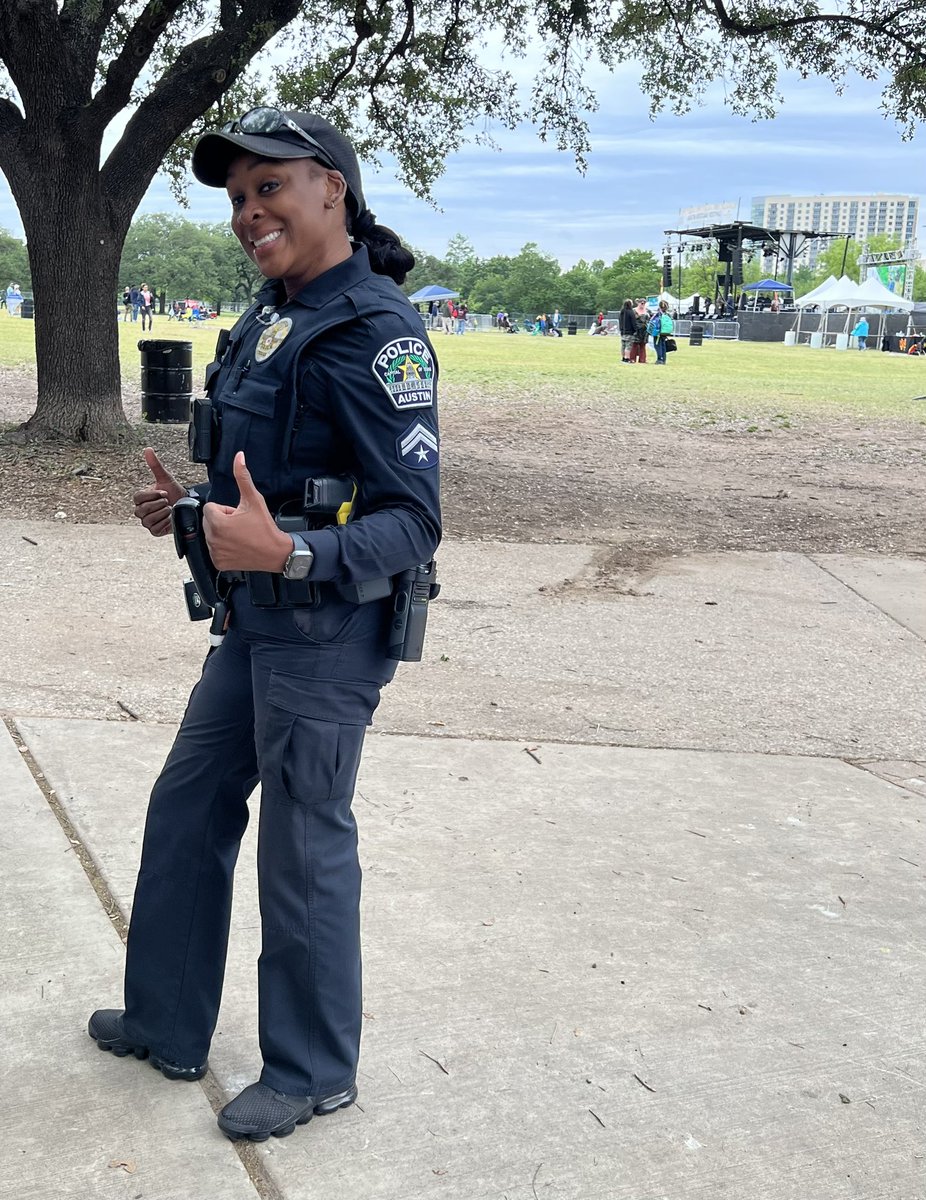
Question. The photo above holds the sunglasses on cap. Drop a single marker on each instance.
(270, 120)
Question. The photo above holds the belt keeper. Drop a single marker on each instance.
(273, 591)
(261, 589)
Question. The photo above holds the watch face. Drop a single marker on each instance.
(298, 564)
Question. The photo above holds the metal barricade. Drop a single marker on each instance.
(722, 330)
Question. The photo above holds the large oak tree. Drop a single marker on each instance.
(409, 76)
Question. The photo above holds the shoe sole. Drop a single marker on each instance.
(324, 1108)
(123, 1050)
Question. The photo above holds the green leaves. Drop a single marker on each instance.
(14, 262)
(186, 259)
(533, 282)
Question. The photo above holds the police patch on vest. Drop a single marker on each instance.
(417, 447)
(405, 368)
(273, 338)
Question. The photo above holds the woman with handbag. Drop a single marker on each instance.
(661, 327)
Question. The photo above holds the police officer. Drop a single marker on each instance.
(328, 374)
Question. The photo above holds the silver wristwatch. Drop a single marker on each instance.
(299, 563)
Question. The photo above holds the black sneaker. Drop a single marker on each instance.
(105, 1027)
(259, 1112)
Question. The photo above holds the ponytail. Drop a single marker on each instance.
(387, 254)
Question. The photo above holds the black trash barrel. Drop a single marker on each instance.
(166, 381)
(696, 336)
(572, 328)
(27, 311)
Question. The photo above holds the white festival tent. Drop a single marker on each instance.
(841, 293)
(813, 296)
(875, 295)
(845, 294)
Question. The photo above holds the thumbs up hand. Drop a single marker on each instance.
(245, 538)
(153, 504)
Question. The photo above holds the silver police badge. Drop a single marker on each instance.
(273, 338)
(405, 368)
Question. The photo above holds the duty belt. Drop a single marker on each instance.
(267, 590)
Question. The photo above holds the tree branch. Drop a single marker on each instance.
(22, 23)
(401, 46)
(203, 71)
(779, 25)
(451, 30)
(364, 32)
(12, 123)
(116, 92)
(92, 15)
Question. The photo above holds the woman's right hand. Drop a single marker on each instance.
(153, 504)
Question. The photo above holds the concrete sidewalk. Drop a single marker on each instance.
(601, 972)
(73, 1124)
(772, 653)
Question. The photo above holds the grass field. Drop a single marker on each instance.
(717, 381)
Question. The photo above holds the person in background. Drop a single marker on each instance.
(14, 299)
(661, 327)
(861, 332)
(641, 336)
(147, 307)
(627, 322)
(126, 304)
(329, 376)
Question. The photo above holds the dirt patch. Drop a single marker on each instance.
(646, 486)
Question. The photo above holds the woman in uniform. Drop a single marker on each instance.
(328, 376)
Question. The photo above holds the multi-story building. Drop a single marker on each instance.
(859, 217)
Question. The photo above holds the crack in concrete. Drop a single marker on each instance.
(247, 1152)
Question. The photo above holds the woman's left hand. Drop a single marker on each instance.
(245, 538)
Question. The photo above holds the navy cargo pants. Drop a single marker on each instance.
(284, 701)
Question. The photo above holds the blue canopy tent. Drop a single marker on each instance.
(433, 292)
(767, 285)
(764, 285)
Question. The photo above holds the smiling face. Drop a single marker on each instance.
(289, 216)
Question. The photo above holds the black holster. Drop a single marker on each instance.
(190, 542)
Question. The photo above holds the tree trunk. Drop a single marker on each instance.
(74, 251)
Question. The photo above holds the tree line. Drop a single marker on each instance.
(182, 258)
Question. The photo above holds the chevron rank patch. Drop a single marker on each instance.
(417, 447)
(405, 368)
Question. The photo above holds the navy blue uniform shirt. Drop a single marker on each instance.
(341, 379)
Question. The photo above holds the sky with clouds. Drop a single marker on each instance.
(641, 172)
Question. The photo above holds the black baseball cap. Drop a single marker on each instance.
(216, 150)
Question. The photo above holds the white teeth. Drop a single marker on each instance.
(269, 237)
